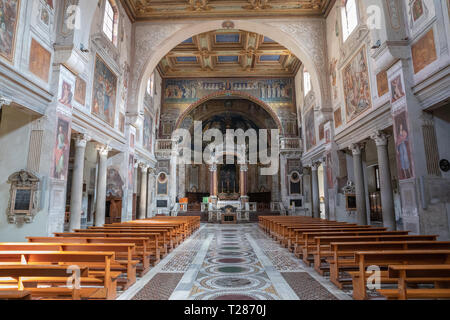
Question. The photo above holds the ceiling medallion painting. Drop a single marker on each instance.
(175, 9)
(229, 53)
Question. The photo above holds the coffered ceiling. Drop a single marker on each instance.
(176, 9)
(229, 53)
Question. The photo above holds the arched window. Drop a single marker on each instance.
(306, 82)
(111, 21)
(151, 85)
(349, 15)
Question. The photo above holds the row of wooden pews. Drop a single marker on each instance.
(89, 264)
(408, 266)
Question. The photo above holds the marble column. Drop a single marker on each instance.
(143, 196)
(359, 184)
(243, 180)
(315, 190)
(101, 186)
(275, 188)
(387, 195)
(76, 197)
(181, 180)
(325, 188)
(151, 188)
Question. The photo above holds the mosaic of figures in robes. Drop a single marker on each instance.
(189, 91)
(356, 86)
(104, 92)
(403, 146)
(148, 128)
(9, 12)
(61, 149)
(310, 131)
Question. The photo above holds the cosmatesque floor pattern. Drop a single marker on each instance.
(232, 262)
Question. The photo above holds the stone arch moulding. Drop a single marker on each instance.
(304, 37)
(239, 94)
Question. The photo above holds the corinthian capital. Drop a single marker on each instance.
(4, 101)
(356, 148)
(380, 138)
(81, 140)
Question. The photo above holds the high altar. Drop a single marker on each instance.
(229, 186)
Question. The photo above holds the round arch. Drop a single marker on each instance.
(220, 94)
(284, 37)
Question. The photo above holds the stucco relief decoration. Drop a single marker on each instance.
(310, 37)
(148, 40)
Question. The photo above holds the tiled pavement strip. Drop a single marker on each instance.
(232, 262)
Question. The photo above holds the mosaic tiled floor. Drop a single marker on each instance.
(238, 262)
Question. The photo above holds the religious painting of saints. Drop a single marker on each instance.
(424, 52)
(417, 9)
(122, 122)
(61, 149)
(329, 171)
(382, 83)
(148, 128)
(337, 118)
(321, 131)
(403, 146)
(66, 94)
(131, 172)
(39, 60)
(397, 91)
(333, 73)
(104, 92)
(9, 14)
(80, 91)
(356, 85)
(132, 140)
(310, 129)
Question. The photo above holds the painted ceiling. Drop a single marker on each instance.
(176, 9)
(229, 53)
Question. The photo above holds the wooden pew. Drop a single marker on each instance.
(323, 245)
(108, 278)
(152, 237)
(167, 236)
(37, 274)
(162, 235)
(123, 262)
(439, 275)
(384, 259)
(15, 294)
(344, 253)
(305, 237)
(142, 247)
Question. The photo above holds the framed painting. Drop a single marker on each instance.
(39, 63)
(397, 91)
(80, 91)
(147, 133)
(424, 52)
(382, 83)
(405, 165)
(310, 130)
(337, 118)
(356, 85)
(61, 148)
(104, 92)
(9, 16)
